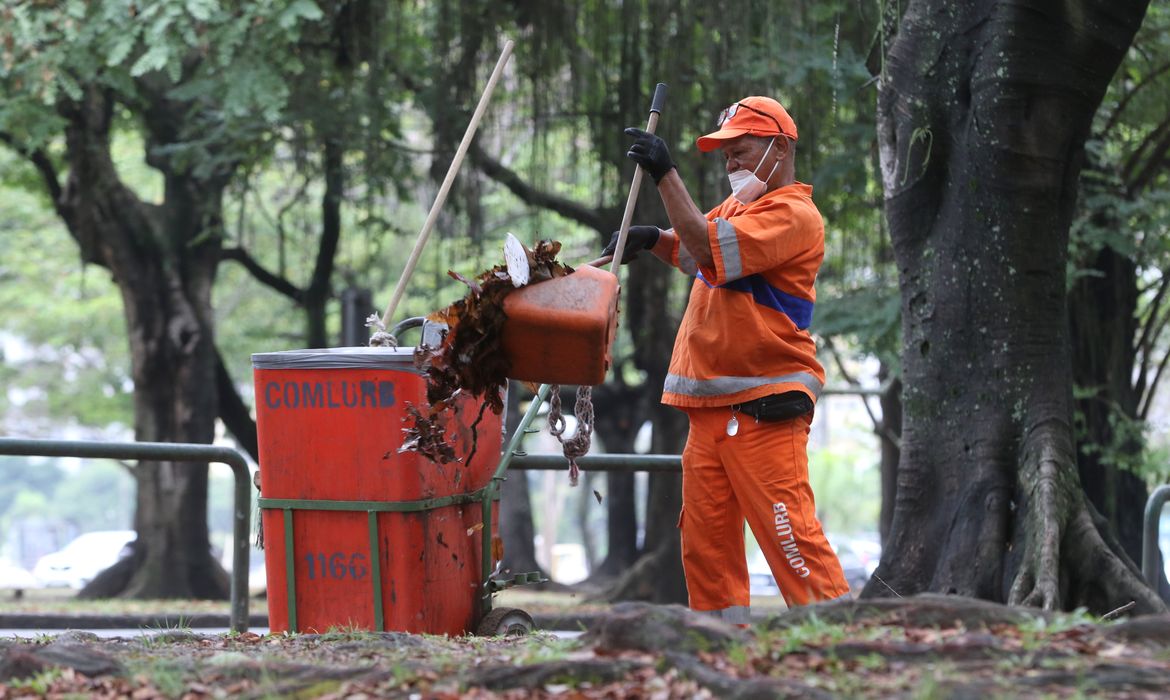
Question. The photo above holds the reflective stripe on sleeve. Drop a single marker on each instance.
(731, 385)
(728, 244)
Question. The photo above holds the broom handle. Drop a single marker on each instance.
(651, 124)
(452, 170)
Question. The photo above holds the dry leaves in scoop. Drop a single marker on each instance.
(469, 360)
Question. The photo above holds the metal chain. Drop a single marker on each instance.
(578, 445)
(258, 513)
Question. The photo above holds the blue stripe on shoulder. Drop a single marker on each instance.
(764, 294)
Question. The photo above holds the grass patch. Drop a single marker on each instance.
(168, 676)
(36, 684)
(63, 601)
(543, 647)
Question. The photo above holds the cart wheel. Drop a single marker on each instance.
(510, 622)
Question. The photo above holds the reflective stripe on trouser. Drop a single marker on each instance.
(735, 615)
(760, 474)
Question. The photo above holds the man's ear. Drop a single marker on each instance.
(784, 147)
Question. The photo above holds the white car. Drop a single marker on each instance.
(85, 557)
(16, 578)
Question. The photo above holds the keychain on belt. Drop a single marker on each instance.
(733, 424)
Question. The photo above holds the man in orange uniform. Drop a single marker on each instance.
(744, 367)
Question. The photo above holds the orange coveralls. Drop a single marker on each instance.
(744, 336)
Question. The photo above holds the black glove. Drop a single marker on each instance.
(638, 238)
(651, 153)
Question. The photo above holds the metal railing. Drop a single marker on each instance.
(174, 452)
(1150, 535)
(673, 463)
(189, 452)
(600, 463)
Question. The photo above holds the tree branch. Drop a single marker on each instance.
(1155, 162)
(262, 275)
(233, 411)
(1159, 135)
(1148, 399)
(596, 219)
(1130, 95)
(1156, 303)
(41, 161)
(879, 426)
(1151, 331)
(330, 218)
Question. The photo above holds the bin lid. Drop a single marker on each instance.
(336, 358)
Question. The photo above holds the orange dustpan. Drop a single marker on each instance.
(561, 331)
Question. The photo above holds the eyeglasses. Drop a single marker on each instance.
(730, 112)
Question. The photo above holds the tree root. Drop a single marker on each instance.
(1149, 629)
(1047, 461)
(640, 581)
(922, 610)
(1107, 578)
(1060, 541)
(723, 686)
(112, 581)
(576, 671)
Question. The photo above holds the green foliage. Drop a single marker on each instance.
(239, 55)
(18, 475)
(38, 683)
(869, 317)
(811, 632)
(96, 495)
(845, 480)
(1059, 622)
(68, 358)
(1124, 203)
(167, 675)
(1127, 443)
(260, 88)
(1124, 206)
(29, 503)
(99, 495)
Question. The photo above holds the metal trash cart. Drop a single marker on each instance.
(359, 535)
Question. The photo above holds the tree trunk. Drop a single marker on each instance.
(163, 260)
(1103, 322)
(890, 428)
(516, 528)
(619, 412)
(658, 576)
(320, 289)
(983, 113)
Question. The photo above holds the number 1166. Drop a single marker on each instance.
(338, 565)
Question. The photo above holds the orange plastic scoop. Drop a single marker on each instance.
(561, 331)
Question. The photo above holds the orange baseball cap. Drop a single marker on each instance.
(759, 116)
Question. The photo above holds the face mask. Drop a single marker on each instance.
(745, 186)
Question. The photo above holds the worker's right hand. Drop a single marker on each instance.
(650, 152)
(638, 238)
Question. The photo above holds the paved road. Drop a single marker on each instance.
(108, 633)
(146, 632)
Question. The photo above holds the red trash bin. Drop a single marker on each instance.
(358, 536)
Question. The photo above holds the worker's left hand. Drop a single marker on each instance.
(650, 152)
(637, 238)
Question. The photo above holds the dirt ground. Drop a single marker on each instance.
(922, 647)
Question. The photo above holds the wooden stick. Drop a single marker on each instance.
(452, 170)
(632, 199)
